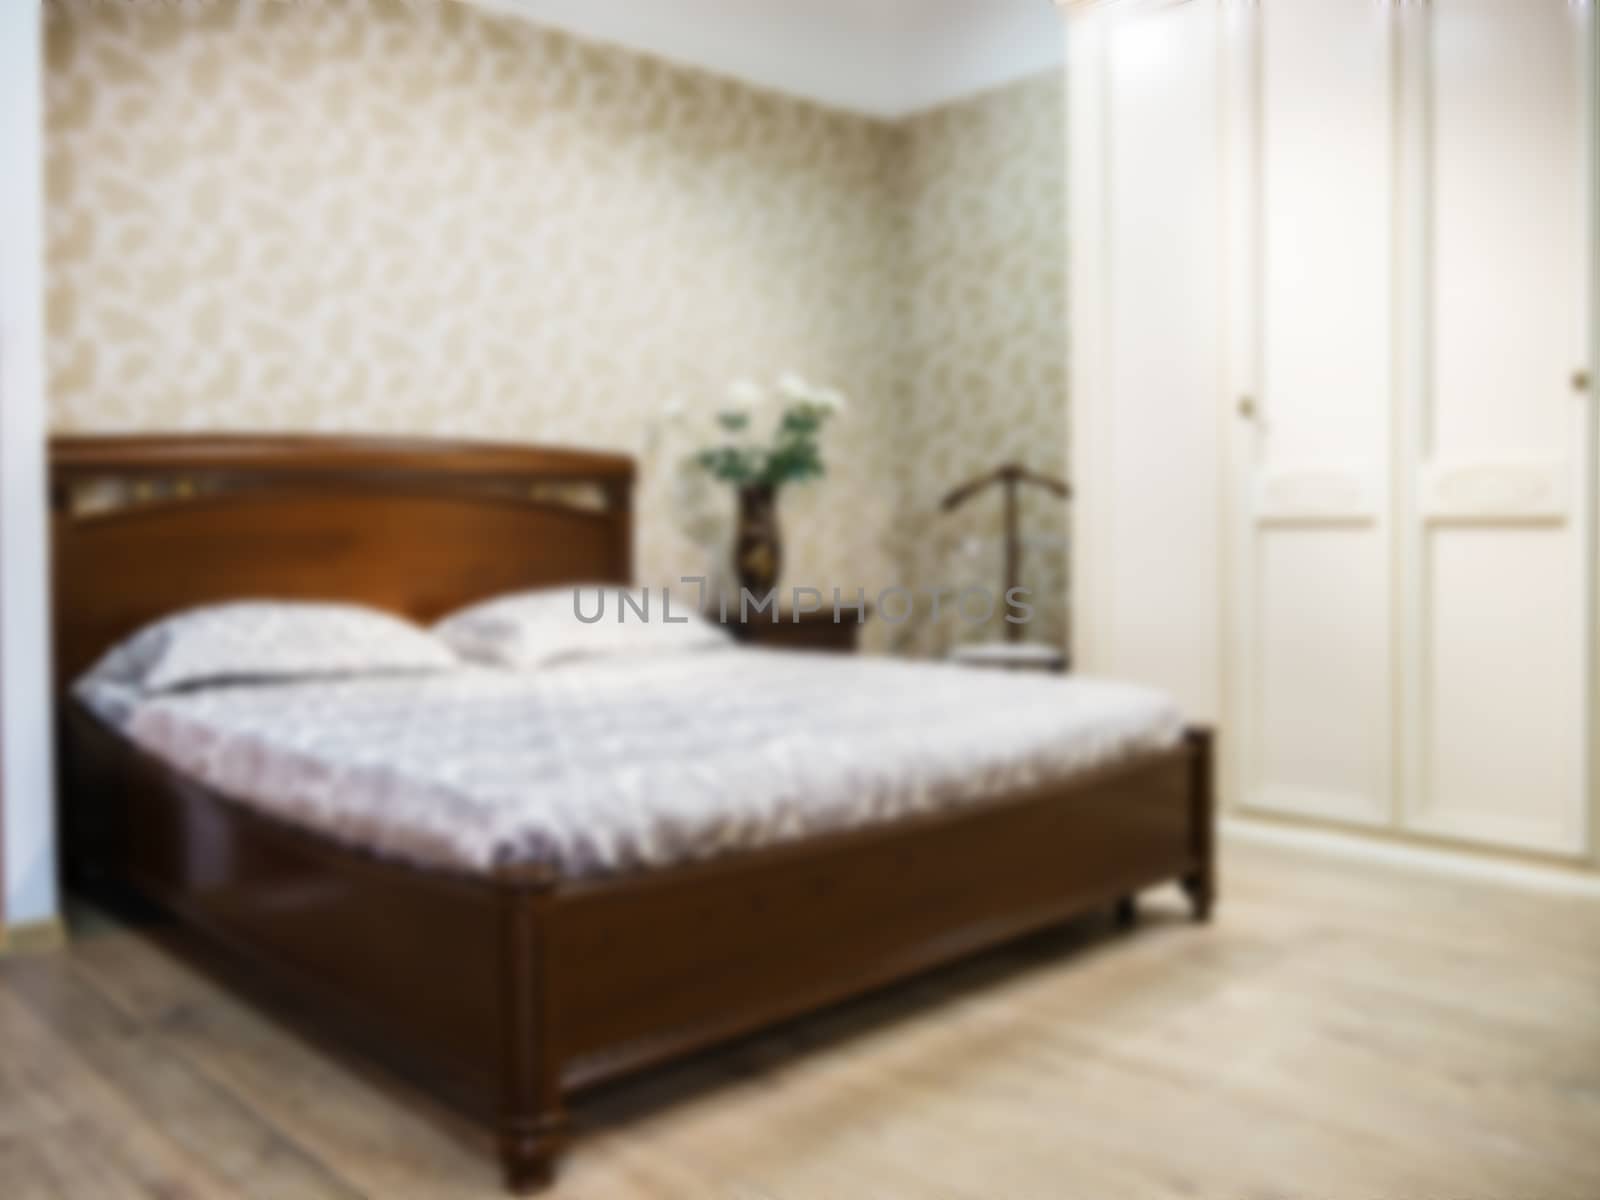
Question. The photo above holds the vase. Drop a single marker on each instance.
(757, 545)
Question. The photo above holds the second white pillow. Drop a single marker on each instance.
(529, 630)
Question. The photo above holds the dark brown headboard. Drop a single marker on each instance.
(145, 526)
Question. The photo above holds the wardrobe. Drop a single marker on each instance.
(1332, 270)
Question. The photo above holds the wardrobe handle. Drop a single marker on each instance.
(1247, 407)
(1580, 381)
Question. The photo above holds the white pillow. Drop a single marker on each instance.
(528, 630)
(263, 640)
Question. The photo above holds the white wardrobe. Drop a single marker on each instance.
(1333, 266)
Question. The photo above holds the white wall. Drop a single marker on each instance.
(27, 821)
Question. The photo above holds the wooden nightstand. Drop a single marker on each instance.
(811, 631)
(1011, 656)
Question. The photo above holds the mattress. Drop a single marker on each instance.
(622, 764)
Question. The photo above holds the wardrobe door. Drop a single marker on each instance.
(1500, 519)
(1145, 274)
(1312, 692)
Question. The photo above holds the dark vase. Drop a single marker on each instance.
(757, 544)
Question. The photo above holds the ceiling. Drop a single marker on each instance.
(883, 57)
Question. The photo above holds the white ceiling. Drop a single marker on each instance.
(884, 57)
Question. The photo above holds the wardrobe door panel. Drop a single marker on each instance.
(1325, 178)
(1504, 686)
(1509, 226)
(1503, 518)
(1314, 699)
(1158, 579)
(1323, 655)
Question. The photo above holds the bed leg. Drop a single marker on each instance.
(1127, 911)
(1200, 883)
(1202, 896)
(528, 1155)
(532, 1121)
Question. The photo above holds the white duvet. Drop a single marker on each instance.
(618, 764)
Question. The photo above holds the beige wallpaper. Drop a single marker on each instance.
(425, 218)
(984, 362)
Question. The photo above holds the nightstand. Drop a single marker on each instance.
(1011, 656)
(802, 631)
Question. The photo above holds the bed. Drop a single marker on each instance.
(504, 981)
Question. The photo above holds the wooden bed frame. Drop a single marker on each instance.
(505, 994)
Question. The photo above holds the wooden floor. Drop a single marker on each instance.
(1341, 1031)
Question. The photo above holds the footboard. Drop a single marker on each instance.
(648, 967)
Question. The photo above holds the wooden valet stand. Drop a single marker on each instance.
(1014, 653)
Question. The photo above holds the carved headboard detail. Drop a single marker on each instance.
(148, 525)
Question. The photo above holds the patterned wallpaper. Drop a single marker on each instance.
(984, 359)
(383, 216)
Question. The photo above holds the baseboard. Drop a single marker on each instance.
(36, 937)
(1571, 881)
